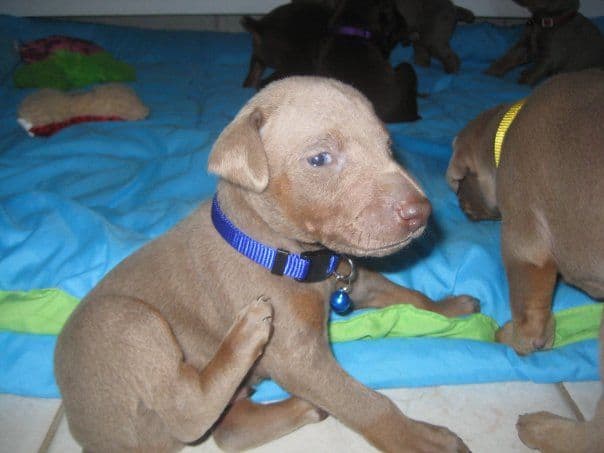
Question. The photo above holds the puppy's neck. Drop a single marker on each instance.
(555, 15)
(243, 210)
(502, 128)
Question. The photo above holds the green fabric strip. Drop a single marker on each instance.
(578, 324)
(44, 311)
(401, 321)
(40, 311)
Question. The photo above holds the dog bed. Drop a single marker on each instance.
(75, 204)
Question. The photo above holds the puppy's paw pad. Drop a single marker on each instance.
(254, 325)
(262, 310)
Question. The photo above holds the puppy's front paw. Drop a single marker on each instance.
(309, 413)
(527, 338)
(550, 433)
(424, 437)
(458, 306)
(253, 326)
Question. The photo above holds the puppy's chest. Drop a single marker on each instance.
(299, 310)
(539, 40)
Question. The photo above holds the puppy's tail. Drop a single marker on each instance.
(464, 15)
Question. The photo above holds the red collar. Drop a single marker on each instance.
(552, 21)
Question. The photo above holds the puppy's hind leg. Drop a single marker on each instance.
(551, 433)
(247, 424)
(127, 385)
(373, 290)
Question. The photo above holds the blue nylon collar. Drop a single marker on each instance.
(307, 267)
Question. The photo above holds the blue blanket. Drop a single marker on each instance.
(73, 205)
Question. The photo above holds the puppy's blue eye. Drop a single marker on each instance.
(320, 159)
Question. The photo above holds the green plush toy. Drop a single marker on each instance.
(64, 63)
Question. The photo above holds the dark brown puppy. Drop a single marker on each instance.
(287, 40)
(556, 39)
(548, 192)
(167, 345)
(351, 44)
(355, 53)
(431, 24)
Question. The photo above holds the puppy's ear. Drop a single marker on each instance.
(250, 24)
(238, 155)
(457, 169)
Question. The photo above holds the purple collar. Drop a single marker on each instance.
(353, 31)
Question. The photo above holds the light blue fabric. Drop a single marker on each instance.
(26, 365)
(73, 205)
(419, 362)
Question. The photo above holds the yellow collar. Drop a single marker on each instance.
(503, 127)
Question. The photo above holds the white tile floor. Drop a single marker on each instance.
(483, 415)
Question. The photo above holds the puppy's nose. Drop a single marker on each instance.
(414, 214)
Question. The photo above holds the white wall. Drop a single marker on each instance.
(484, 8)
